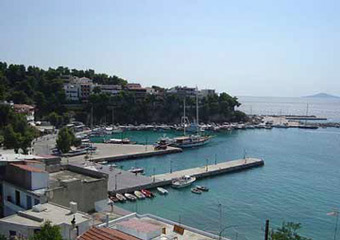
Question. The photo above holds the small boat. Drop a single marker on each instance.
(147, 193)
(202, 188)
(118, 141)
(196, 191)
(130, 197)
(162, 190)
(139, 195)
(120, 197)
(114, 199)
(183, 181)
(136, 170)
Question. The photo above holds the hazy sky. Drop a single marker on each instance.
(259, 48)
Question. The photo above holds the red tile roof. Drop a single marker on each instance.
(27, 167)
(105, 234)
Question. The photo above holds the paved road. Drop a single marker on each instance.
(44, 144)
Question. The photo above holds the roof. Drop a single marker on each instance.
(105, 234)
(55, 213)
(27, 167)
(139, 225)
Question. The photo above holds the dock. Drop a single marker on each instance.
(121, 152)
(212, 170)
(120, 181)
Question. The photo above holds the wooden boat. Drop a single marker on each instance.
(196, 191)
(202, 188)
(147, 193)
(130, 197)
(162, 190)
(139, 195)
(120, 197)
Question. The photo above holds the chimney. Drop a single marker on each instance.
(73, 207)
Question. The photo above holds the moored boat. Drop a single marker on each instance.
(139, 195)
(183, 181)
(202, 188)
(196, 191)
(162, 190)
(130, 197)
(136, 170)
(147, 193)
(120, 197)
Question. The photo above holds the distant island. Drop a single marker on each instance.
(322, 95)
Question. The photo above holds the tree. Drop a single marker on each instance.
(96, 90)
(48, 231)
(55, 119)
(66, 139)
(3, 237)
(288, 231)
(11, 138)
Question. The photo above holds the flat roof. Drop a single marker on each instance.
(66, 175)
(52, 212)
(189, 232)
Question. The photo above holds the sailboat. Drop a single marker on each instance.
(308, 126)
(191, 140)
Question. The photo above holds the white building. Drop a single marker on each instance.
(23, 186)
(24, 224)
(72, 91)
(110, 89)
(78, 88)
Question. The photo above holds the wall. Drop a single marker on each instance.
(11, 207)
(84, 193)
(39, 180)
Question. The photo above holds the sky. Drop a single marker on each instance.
(245, 48)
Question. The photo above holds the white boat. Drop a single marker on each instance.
(130, 197)
(136, 170)
(139, 195)
(118, 141)
(190, 141)
(183, 181)
(196, 190)
(162, 190)
(120, 197)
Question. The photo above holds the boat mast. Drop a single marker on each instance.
(184, 115)
(197, 121)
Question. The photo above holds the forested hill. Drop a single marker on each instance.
(44, 89)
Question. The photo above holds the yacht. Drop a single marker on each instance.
(182, 182)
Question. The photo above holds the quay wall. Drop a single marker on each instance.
(131, 156)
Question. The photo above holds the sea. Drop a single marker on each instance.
(300, 181)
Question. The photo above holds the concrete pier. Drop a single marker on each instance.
(212, 170)
(120, 181)
(121, 152)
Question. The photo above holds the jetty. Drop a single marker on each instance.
(120, 181)
(120, 152)
(212, 170)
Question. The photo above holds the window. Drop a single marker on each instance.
(36, 201)
(17, 197)
(12, 233)
(29, 202)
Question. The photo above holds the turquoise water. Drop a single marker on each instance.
(299, 182)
